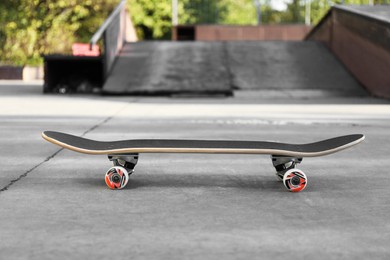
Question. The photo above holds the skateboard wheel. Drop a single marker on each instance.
(295, 180)
(116, 177)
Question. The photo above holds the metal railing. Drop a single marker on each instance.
(113, 33)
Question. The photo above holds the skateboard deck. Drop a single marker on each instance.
(124, 153)
(88, 146)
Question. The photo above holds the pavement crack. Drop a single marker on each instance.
(13, 181)
(97, 125)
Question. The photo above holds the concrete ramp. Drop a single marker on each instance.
(168, 68)
(158, 68)
(359, 37)
(305, 67)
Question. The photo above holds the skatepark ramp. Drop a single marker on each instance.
(346, 54)
(279, 68)
(170, 68)
(359, 36)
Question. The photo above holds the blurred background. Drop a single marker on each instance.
(30, 29)
(130, 47)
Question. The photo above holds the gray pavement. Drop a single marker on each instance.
(54, 204)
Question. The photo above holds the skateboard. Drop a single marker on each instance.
(124, 154)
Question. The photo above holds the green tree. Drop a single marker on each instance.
(30, 28)
(241, 12)
(319, 8)
(151, 18)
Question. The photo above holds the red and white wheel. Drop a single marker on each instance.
(116, 177)
(295, 180)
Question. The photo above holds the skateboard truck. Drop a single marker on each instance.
(127, 161)
(118, 175)
(294, 179)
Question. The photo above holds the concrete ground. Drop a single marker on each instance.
(54, 203)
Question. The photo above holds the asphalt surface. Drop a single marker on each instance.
(54, 203)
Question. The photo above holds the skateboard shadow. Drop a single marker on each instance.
(205, 181)
(214, 181)
(138, 181)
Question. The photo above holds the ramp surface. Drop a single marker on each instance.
(164, 68)
(221, 67)
(292, 66)
(379, 12)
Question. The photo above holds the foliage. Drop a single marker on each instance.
(30, 28)
(237, 12)
(151, 18)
